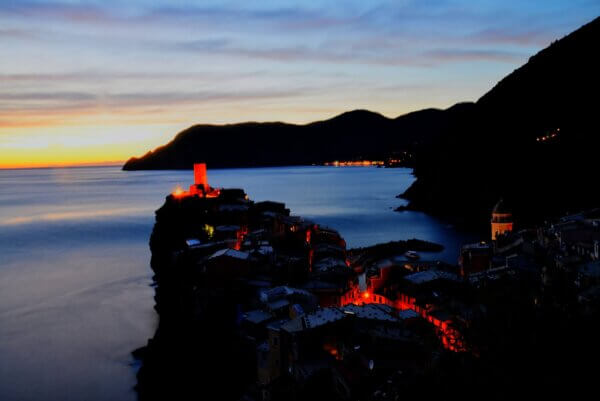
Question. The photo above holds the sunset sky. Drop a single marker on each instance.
(98, 81)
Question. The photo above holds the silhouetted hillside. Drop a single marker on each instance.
(351, 135)
(554, 86)
(532, 139)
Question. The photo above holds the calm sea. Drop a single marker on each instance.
(75, 298)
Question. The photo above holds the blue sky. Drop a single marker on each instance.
(122, 78)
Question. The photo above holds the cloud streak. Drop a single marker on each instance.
(76, 105)
(471, 55)
(56, 96)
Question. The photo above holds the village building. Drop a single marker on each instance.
(502, 220)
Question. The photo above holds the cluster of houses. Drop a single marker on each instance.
(311, 315)
(565, 253)
(320, 324)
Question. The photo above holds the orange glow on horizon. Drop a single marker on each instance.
(113, 136)
(79, 145)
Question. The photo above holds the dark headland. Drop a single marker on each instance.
(531, 139)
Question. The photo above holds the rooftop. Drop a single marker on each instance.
(232, 253)
(371, 312)
(329, 263)
(323, 316)
(227, 228)
(257, 316)
(408, 314)
(590, 269)
(430, 275)
(192, 242)
(477, 246)
(272, 294)
(233, 208)
(278, 304)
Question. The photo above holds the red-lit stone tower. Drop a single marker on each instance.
(200, 177)
(502, 221)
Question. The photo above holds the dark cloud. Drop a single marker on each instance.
(531, 37)
(455, 55)
(12, 104)
(204, 44)
(15, 33)
(52, 96)
(136, 99)
(84, 13)
(95, 76)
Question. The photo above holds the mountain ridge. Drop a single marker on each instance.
(516, 141)
(339, 137)
(531, 139)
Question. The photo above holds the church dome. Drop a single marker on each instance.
(501, 208)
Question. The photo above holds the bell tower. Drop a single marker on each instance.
(502, 220)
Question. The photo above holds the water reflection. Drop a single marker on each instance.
(70, 215)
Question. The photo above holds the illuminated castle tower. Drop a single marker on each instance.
(200, 177)
(200, 186)
(502, 221)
